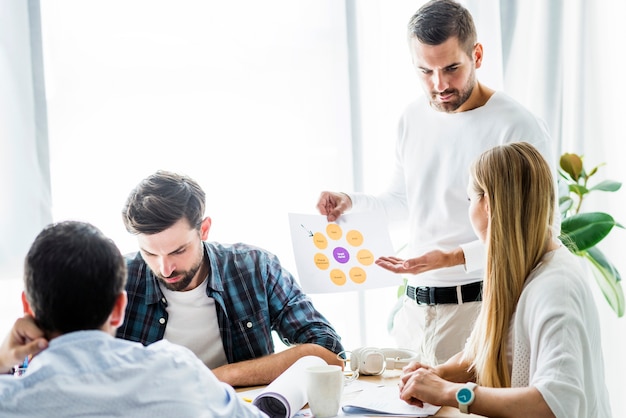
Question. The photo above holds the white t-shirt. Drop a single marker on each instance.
(556, 339)
(192, 323)
(434, 151)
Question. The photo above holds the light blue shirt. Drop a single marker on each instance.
(91, 373)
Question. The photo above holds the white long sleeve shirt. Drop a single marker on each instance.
(434, 151)
(556, 341)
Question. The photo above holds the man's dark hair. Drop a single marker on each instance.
(73, 275)
(438, 20)
(160, 201)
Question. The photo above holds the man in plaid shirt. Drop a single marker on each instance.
(220, 301)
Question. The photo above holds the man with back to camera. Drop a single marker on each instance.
(74, 300)
(221, 301)
(439, 136)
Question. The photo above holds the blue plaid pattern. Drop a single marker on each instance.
(254, 296)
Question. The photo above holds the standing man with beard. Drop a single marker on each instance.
(439, 136)
(220, 301)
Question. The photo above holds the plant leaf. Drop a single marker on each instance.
(584, 230)
(608, 279)
(607, 186)
(572, 164)
(594, 170)
(579, 189)
(599, 258)
(402, 288)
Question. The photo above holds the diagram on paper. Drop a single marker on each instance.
(339, 256)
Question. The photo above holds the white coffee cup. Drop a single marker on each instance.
(324, 389)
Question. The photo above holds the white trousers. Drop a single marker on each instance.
(436, 332)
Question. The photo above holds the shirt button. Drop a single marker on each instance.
(161, 321)
(249, 324)
(163, 300)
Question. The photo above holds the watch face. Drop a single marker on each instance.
(464, 395)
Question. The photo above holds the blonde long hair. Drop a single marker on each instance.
(518, 182)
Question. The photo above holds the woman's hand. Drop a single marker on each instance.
(422, 384)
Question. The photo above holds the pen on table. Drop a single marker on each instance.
(247, 399)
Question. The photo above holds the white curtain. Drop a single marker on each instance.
(25, 205)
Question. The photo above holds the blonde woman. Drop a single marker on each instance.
(535, 349)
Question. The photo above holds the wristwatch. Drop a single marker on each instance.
(465, 396)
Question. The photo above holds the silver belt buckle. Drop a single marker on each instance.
(431, 295)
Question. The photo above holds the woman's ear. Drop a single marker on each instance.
(26, 305)
(486, 207)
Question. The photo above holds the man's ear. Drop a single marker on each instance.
(117, 314)
(478, 55)
(205, 226)
(26, 306)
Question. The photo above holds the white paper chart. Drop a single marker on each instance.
(339, 256)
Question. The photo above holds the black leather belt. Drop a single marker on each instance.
(423, 295)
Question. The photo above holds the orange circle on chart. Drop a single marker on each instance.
(338, 277)
(334, 231)
(320, 240)
(365, 257)
(354, 238)
(357, 275)
(321, 261)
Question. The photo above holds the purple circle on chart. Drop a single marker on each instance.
(341, 255)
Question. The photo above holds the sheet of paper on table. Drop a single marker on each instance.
(384, 401)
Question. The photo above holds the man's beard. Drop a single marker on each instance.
(462, 96)
(183, 283)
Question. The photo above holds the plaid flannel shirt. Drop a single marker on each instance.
(254, 295)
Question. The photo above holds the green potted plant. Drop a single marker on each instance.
(582, 231)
